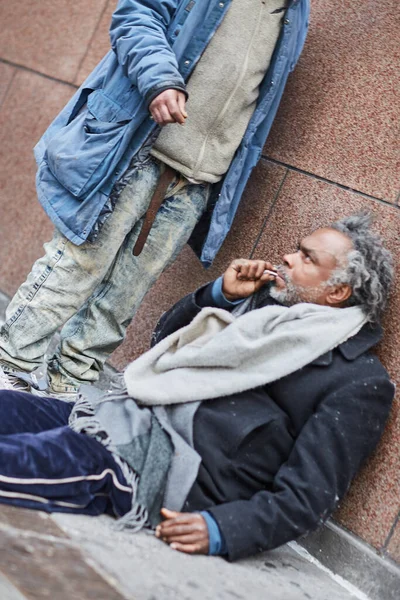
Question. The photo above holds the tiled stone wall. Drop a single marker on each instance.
(333, 150)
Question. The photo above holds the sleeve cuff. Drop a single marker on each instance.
(219, 298)
(217, 544)
(161, 87)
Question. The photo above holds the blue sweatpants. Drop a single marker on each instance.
(46, 465)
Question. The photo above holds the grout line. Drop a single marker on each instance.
(390, 534)
(262, 228)
(330, 181)
(8, 87)
(35, 72)
(102, 13)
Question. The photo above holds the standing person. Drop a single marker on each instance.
(124, 197)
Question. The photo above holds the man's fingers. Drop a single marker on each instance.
(189, 548)
(240, 266)
(249, 269)
(175, 517)
(189, 538)
(156, 115)
(260, 269)
(244, 271)
(267, 277)
(175, 111)
(186, 532)
(173, 529)
(269, 266)
(252, 270)
(169, 107)
(182, 104)
(165, 115)
(244, 277)
(178, 525)
(169, 514)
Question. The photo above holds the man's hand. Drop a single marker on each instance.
(245, 277)
(169, 107)
(186, 532)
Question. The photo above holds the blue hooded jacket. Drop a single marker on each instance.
(155, 46)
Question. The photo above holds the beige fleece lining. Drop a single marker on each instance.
(223, 91)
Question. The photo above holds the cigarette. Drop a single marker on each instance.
(268, 272)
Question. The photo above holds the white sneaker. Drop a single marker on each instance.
(9, 379)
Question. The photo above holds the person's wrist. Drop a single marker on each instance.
(229, 296)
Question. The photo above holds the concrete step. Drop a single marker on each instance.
(63, 556)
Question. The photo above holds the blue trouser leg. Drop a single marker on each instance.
(46, 465)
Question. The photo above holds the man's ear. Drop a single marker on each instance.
(338, 294)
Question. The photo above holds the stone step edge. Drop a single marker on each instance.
(347, 555)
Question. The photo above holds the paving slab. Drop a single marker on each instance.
(147, 569)
(38, 560)
(8, 591)
(49, 36)
(63, 556)
(339, 113)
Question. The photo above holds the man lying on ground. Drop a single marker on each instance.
(255, 407)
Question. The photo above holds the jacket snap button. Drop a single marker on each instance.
(286, 21)
(187, 62)
(221, 5)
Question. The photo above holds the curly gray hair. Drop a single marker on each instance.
(369, 267)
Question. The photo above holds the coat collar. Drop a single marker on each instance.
(368, 336)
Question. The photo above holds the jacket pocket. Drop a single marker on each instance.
(265, 435)
(80, 154)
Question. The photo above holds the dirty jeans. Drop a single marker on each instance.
(94, 290)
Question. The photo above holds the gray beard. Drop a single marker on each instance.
(287, 296)
(295, 294)
(291, 294)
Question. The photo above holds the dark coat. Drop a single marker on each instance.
(276, 460)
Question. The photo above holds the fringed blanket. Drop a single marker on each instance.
(140, 446)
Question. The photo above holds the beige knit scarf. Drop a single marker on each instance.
(218, 354)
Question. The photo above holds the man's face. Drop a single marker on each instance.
(303, 275)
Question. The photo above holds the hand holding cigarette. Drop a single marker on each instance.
(245, 277)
